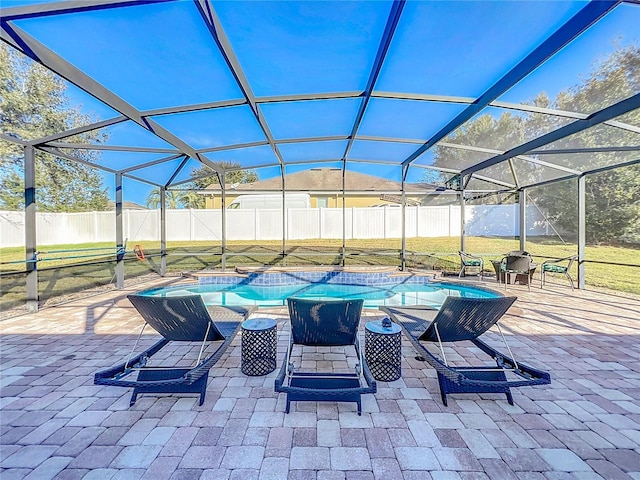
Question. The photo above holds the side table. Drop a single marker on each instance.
(383, 350)
(259, 346)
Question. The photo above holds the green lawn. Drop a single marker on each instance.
(64, 269)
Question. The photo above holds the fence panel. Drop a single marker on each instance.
(266, 224)
(12, 229)
(206, 225)
(369, 223)
(303, 223)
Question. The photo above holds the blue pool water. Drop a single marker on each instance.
(431, 293)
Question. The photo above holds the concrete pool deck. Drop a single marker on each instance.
(585, 425)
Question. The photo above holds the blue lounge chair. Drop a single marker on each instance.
(329, 324)
(461, 319)
(179, 319)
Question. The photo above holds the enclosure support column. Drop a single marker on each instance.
(163, 232)
(403, 251)
(582, 226)
(522, 200)
(284, 218)
(463, 221)
(30, 228)
(119, 233)
(344, 214)
(224, 220)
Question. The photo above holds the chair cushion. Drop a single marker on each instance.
(554, 268)
(472, 263)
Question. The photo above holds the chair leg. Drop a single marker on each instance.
(570, 281)
(509, 397)
(461, 272)
(443, 395)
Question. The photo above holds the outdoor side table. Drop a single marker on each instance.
(259, 346)
(383, 351)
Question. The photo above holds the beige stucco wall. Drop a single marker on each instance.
(333, 201)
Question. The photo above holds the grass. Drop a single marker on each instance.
(64, 269)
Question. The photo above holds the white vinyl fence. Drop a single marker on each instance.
(266, 224)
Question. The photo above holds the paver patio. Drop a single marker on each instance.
(585, 425)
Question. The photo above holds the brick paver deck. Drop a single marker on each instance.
(585, 425)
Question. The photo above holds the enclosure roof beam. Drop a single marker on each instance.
(71, 6)
(41, 54)
(177, 172)
(58, 153)
(226, 50)
(115, 148)
(580, 22)
(596, 118)
(381, 54)
(195, 107)
(79, 130)
(562, 151)
(522, 157)
(14, 139)
(630, 163)
(150, 164)
(143, 180)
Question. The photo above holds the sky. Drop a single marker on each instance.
(162, 56)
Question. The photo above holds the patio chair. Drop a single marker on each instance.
(561, 265)
(517, 265)
(320, 323)
(470, 261)
(465, 319)
(177, 319)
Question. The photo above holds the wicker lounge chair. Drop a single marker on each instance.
(324, 324)
(465, 319)
(470, 261)
(180, 319)
(562, 266)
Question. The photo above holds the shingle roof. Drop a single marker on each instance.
(325, 179)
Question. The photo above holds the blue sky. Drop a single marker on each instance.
(163, 56)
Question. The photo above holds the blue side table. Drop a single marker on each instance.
(259, 346)
(383, 350)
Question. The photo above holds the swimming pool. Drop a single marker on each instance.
(267, 292)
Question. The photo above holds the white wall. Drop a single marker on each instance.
(266, 224)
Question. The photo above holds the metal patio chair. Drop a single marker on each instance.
(468, 260)
(561, 265)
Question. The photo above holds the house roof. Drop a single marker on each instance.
(326, 179)
(126, 205)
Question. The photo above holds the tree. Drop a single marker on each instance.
(173, 198)
(33, 104)
(204, 176)
(613, 197)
